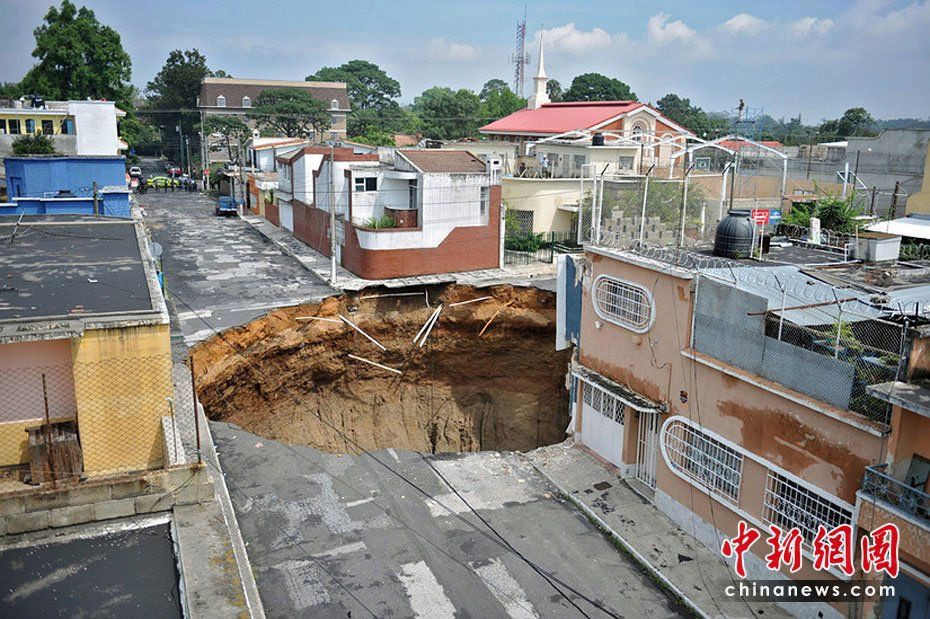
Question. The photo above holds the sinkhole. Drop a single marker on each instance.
(288, 375)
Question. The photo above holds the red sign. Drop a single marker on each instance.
(760, 216)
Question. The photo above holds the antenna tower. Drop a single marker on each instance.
(519, 57)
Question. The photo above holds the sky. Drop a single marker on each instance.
(786, 57)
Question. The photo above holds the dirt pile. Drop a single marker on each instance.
(288, 377)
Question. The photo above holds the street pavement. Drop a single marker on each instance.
(346, 536)
(218, 268)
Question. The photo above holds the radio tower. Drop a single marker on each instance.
(519, 57)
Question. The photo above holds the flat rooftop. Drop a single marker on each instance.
(70, 266)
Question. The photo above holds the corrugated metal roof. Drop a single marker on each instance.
(914, 227)
(800, 289)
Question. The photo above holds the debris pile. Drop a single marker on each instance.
(447, 368)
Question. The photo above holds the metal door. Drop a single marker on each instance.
(602, 423)
(647, 448)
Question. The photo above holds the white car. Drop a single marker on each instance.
(135, 171)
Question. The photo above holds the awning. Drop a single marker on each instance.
(912, 226)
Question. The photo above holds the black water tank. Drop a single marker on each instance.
(733, 238)
(598, 139)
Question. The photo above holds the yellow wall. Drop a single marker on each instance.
(920, 202)
(543, 197)
(122, 379)
(56, 119)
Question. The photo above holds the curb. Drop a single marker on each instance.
(635, 554)
(249, 588)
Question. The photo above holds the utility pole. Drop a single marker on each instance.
(684, 206)
(332, 214)
(241, 171)
(96, 200)
(180, 145)
(204, 153)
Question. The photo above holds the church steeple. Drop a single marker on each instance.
(540, 96)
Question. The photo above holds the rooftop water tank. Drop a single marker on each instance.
(734, 235)
(597, 139)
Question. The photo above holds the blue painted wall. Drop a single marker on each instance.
(36, 177)
(109, 204)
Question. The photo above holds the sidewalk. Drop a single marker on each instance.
(672, 556)
(319, 265)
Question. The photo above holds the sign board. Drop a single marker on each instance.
(775, 216)
(760, 216)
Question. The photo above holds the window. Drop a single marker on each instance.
(246, 101)
(638, 133)
(524, 220)
(30, 125)
(221, 101)
(788, 504)
(695, 455)
(577, 162)
(604, 402)
(14, 126)
(625, 163)
(623, 303)
(67, 126)
(369, 183)
(2, 126)
(334, 120)
(48, 127)
(413, 194)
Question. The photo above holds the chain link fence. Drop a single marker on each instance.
(68, 422)
(872, 347)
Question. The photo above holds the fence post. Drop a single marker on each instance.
(784, 299)
(839, 325)
(196, 415)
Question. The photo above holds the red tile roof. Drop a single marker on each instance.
(738, 144)
(555, 118)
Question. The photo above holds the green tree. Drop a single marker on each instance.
(368, 86)
(78, 57)
(554, 90)
(597, 87)
(141, 136)
(220, 73)
(497, 100)
(447, 114)
(10, 90)
(855, 121)
(232, 131)
(374, 137)
(34, 144)
(290, 112)
(175, 87)
(689, 116)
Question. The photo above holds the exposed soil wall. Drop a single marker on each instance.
(292, 380)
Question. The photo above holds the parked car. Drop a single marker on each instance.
(226, 205)
(135, 171)
(161, 181)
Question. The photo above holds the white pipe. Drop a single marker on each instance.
(427, 323)
(317, 318)
(784, 177)
(845, 178)
(357, 328)
(378, 365)
(432, 324)
(469, 301)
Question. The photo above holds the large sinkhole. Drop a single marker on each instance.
(288, 375)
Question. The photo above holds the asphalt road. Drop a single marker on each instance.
(218, 268)
(340, 536)
(347, 536)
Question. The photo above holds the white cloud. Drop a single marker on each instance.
(440, 49)
(874, 16)
(744, 23)
(809, 26)
(662, 31)
(571, 39)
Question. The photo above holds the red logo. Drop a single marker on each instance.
(880, 550)
(738, 546)
(834, 549)
(785, 550)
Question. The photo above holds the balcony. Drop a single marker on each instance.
(877, 484)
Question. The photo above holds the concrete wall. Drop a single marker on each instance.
(920, 201)
(111, 204)
(543, 197)
(21, 368)
(95, 127)
(121, 385)
(36, 176)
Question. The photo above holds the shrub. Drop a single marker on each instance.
(37, 144)
(380, 223)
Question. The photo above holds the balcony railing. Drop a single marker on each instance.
(896, 493)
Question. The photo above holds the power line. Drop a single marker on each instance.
(350, 441)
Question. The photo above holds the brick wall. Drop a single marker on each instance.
(311, 225)
(271, 213)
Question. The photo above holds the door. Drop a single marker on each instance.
(647, 448)
(286, 213)
(602, 423)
